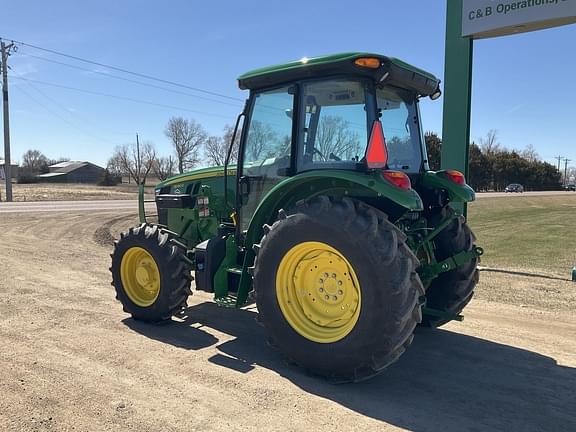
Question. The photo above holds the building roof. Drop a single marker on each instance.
(66, 167)
(69, 166)
(3, 162)
(52, 174)
(393, 70)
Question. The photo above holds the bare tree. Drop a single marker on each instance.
(227, 137)
(187, 137)
(216, 148)
(261, 137)
(34, 162)
(490, 144)
(136, 163)
(116, 167)
(335, 139)
(163, 167)
(530, 153)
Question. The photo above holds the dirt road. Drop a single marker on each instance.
(70, 359)
(72, 206)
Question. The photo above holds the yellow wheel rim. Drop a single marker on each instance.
(140, 276)
(318, 292)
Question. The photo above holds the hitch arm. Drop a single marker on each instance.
(430, 271)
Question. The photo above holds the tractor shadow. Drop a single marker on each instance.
(445, 381)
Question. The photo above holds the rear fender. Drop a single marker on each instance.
(310, 184)
(456, 193)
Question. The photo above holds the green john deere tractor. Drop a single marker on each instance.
(330, 220)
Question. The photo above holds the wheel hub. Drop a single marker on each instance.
(145, 273)
(318, 292)
(140, 276)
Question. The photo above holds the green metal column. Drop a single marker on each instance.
(457, 94)
(457, 91)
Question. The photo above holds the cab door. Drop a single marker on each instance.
(265, 156)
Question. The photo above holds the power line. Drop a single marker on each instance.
(138, 74)
(53, 113)
(130, 80)
(62, 107)
(107, 75)
(140, 101)
(92, 126)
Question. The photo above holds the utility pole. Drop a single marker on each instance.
(566, 160)
(6, 50)
(138, 159)
(558, 157)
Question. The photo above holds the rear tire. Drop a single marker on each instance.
(148, 247)
(389, 287)
(452, 291)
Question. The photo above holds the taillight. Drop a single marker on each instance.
(376, 154)
(398, 179)
(456, 176)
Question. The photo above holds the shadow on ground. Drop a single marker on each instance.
(445, 382)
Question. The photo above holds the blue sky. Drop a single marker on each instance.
(523, 84)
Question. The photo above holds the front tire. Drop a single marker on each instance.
(150, 273)
(336, 288)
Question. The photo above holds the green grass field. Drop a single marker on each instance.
(526, 232)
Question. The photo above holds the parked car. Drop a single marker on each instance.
(514, 187)
(570, 187)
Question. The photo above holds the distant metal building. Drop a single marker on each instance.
(13, 172)
(72, 172)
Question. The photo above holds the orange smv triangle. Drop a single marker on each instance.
(377, 153)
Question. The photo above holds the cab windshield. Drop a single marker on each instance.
(338, 115)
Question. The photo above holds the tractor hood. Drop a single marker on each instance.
(197, 174)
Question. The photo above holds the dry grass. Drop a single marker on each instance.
(534, 233)
(529, 292)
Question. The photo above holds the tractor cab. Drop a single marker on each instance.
(351, 112)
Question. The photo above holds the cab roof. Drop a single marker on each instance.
(400, 73)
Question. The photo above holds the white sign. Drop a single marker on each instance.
(489, 18)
